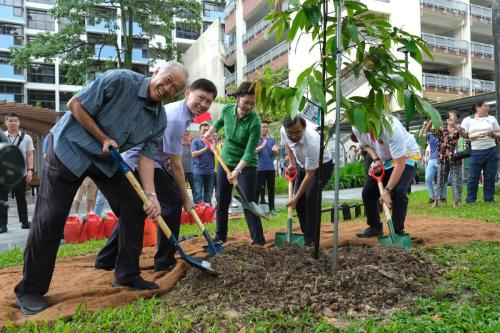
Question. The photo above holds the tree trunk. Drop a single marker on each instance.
(129, 39)
(496, 44)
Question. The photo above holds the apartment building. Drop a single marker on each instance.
(458, 33)
(45, 84)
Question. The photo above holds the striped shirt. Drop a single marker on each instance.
(117, 101)
(178, 119)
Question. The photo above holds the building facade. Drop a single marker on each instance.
(458, 34)
(44, 84)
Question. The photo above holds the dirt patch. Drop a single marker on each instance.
(370, 280)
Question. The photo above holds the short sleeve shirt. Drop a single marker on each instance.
(25, 145)
(474, 124)
(203, 164)
(266, 155)
(117, 101)
(306, 151)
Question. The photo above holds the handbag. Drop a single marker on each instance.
(462, 153)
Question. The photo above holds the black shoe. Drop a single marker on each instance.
(370, 232)
(401, 232)
(25, 225)
(31, 304)
(99, 265)
(3, 229)
(443, 200)
(166, 268)
(431, 201)
(137, 284)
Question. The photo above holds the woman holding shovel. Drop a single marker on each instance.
(242, 131)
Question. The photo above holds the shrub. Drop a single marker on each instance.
(351, 175)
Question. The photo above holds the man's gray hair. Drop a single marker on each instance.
(175, 65)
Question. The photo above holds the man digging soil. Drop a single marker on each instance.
(119, 109)
(397, 152)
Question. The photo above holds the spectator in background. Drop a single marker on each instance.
(203, 168)
(100, 201)
(267, 151)
(482, 130)
(448, 135)
(187, 159)
(352, 154)
(330, 147)
(23, 141)
(432, 162)
(89, 189)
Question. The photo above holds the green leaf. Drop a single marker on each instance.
(400, 97)
(379, 101)
(352, 32)
(296, 24)
(299, 95)
(313, 14)
(430, 111)
(409, 100)
(360, 120)
(317, 93)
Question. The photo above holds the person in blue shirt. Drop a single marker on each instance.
(432, 163)
(203, 168)
(169, 175)
(267, 151)
(121, 109)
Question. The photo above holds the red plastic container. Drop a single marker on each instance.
(149, 233)
(74, 230)
(186, 218)
(206, 213)
(93, 229)
(109, 224)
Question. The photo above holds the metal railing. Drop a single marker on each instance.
(267, 57)
(483, 85)
(230, 7)
(451, 5)
(445, 81)
(256, 29)
(481, 49)
(446, 43)
(229, 79)
(481, 12)
(229, 48)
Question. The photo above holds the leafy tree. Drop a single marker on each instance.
(80, 57)
(368, 43)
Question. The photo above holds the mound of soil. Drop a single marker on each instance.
(369, 280)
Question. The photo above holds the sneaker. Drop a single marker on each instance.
(138, 284)
(25, 225)
(31, 304)
(370, 232)
(234, 205)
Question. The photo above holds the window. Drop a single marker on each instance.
(45, 98)
(17, 4)
(5, 60)
(142, 44)
(12, 30)
(47, 2)
(64, 98)
(103, 15)
(142, 69)
(186, 32)
(41, 73)
(210, 8)
(16, 89)
(41, 20)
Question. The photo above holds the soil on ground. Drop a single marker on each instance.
(369, 280)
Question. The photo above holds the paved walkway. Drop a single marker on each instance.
(16, 237)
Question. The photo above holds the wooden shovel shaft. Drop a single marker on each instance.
(197, 219)
(222, 163)
(137, 187)
(290, 195)
(387, 211)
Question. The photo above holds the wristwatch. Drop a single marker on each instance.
(388, 189)
(31, 169)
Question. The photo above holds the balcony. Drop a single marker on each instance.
(482, 51)
(252, 8)
(438, 87)
(230, 17)
(102, 26)
(277, 57)
(481, 14)
(9, 72)
(482, 86)
(446, 50)
(230, 53)
(443, 13)
(12, 14)
(230, 79)
(446, 7)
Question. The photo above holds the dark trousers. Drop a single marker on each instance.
(247, 182)
(371, 195)
(170, 200)
(22, 207)
(57, 190)
(307, 204)
(485, 160)
(189, 178)
(203, 188)
(264, 178)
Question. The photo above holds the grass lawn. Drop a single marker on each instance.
(467, 301)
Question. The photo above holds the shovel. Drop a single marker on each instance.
(212, 248)
(251, 206)
(281, 238)
(197, 263)
(393, 239)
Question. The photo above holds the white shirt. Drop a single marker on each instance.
(392, 144)
(25, 145)
(474, 124)
(306, 151)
